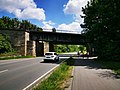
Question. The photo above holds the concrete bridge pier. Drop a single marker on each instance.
(31, 48)
(48, 47)
(90, 49)
(38, 48)
(51, 47)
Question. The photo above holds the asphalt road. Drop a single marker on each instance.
(17, 74)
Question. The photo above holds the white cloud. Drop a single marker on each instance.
(48, 24)
(74, 7)
(73, 27)
(47, 27)
(25, 9)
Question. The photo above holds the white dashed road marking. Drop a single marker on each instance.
(3, 71)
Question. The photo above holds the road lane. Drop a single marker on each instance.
(19, 74)
(3, 62)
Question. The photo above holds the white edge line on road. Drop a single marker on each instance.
(40, 77)
(3, 71)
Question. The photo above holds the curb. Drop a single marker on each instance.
(71, 80)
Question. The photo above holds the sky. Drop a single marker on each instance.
(63, 15)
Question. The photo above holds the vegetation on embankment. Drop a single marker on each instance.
(113, 65)
(8, 57)
(59, 79)
(5, 45)
(12, 55)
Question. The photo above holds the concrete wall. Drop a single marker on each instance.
(21, 43)
(51, 47)
(46, 47)
(39, 48)
(18, 40)
(31, 48)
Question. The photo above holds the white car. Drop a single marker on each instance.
(51, 56)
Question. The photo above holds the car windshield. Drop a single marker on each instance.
(49, 54)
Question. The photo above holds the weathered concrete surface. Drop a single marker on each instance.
(31, 48)
(18, 40)
(88, 75)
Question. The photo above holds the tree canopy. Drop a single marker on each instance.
(102, 27)
(14, 23)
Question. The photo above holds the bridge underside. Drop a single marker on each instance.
(57, 38)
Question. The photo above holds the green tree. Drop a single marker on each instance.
(53, 30)
(69, 48)
(5, 45)
(102, 27)
(14, 23)
(6, 21)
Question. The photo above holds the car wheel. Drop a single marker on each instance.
(58, 59)
(55, 60)
(44, 60)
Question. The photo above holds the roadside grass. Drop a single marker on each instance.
(14, 57)
(59, 79)
(115, 66)
(8, 54)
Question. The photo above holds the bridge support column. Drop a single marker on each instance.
(51, 47)
(31, 48)
(46, 47)
(39, 48)
(90, 49)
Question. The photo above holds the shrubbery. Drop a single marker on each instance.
(5, 45)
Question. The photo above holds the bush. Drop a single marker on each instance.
(5, 45)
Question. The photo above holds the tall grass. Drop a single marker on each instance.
(57, 80)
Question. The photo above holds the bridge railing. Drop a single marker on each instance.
(64, 31)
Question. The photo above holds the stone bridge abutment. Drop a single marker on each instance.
(21, 42)
(36, 43)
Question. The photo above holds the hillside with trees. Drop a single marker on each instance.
(14, 23)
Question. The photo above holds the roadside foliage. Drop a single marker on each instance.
(102, 27)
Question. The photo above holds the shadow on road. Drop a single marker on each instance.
(91, 64)
(53, 62)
